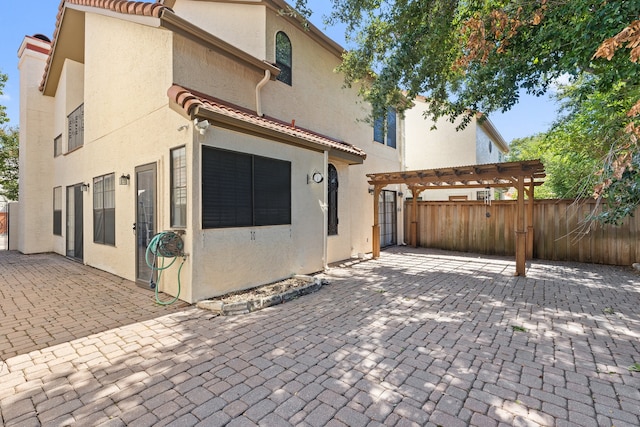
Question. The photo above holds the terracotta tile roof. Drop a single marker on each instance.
(120, 6)
(190, 101)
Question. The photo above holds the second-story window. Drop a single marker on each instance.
(384, 128)
(57, 146)
(283, 57)
(76, 128)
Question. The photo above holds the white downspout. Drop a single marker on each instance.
(325, 211)
(261, 83)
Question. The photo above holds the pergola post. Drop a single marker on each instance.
(375, 237)
(415, 192)
(530, 202)
(525, 175)
(521, 234)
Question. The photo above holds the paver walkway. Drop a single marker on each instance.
(418, 337)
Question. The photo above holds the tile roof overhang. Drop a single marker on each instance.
(475, 176)
(228, 116)
(68, 39)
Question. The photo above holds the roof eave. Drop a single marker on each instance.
(495, 135)
(170, 21)
(231, 123)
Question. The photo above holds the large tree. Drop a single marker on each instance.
(470, 56)
(9, 163)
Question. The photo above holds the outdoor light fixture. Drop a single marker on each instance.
(84, 187)
(315, 177)
(371, 190)
(201, 125)
(124, 179)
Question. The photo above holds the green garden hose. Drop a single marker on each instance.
(165, 244)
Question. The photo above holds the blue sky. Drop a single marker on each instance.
(28, 17)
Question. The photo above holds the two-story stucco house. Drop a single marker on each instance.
(223, 121)
(426, 148)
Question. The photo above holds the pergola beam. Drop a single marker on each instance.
(527, 174)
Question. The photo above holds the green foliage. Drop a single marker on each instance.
(420, 46)
(469, 56)
(3, 114)
(532, 148)
(9, 147)
(587, 136)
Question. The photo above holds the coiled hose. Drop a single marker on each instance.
(165, 244)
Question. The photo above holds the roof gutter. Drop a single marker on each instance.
(230, 123)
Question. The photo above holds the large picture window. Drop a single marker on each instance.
(284, 59)
(104, 209)
(244, 190)
(57, 211)
(178, 187)
(385, 128)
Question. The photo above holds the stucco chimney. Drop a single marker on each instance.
(35, 220)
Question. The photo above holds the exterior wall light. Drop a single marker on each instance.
(124, 179)
(201, 125)
(84, 187)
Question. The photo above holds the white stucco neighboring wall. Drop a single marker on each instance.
(487, 151)
(445, 146)
(437, 148)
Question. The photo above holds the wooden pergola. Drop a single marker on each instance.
(524, 176)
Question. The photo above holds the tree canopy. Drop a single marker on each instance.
(470, 56)
(9, 147)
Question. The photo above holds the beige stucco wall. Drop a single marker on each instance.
(69, 96)
(241, 25)
(236, 258)
(317, 100)
(36, 151)
(198, 68)
(128, 123)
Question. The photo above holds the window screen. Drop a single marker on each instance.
(104, 209)
(243, 190)
(76, 128)
(178, 187)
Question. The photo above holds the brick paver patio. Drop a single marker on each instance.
(418, 337)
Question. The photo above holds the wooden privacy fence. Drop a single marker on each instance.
(560, 235)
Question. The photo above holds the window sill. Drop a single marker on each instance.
(74, 150)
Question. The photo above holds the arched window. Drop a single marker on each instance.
(332, 198)
(283, 57)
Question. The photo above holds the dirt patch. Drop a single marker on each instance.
(262, 291)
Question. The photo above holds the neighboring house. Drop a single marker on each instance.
(478, 143)
(221, 120)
